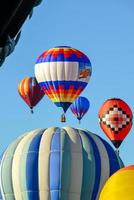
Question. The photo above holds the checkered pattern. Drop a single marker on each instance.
(63, 54)
(116, 119)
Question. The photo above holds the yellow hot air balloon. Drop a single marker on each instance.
(120, 186)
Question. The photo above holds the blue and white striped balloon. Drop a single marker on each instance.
(56, 164)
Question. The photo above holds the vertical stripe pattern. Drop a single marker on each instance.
(30, 91)
(56, 164)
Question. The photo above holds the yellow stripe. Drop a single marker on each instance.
(26, 85)
(63, 99)
(20, 88)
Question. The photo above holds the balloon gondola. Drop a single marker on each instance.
(30, 91)
(63, 73)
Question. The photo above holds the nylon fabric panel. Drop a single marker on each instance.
(68, 72)
(71, 71)
(32, 167)
(65, 170)
(6, 171)
(0, 196)
(105, 164)
(44, 164)
(88, 167)
(61, 71)
(54, 172)
(53, 75)
(1, 180)
(67, 90)
(119, 186)
(16, 164)
(27, 190)
(40, 74)
(46, 74)
(76, 160)
(63, 53)
(114, 164)
(21, 88)
(97, 164)
(26, 86)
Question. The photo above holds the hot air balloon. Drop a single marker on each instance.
(80, 107)
(13, 16)
(120, 186)
(30, 91)
(115, 118)
(56, 164)
(63, 73)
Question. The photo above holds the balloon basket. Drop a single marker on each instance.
(79, 121)
(63, 118)
(32, 111)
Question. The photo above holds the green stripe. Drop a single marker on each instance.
(65, 164)
(88, 167)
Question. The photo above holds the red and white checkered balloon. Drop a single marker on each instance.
(115, 117)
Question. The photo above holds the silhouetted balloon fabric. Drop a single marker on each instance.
(115, 118)
(12, 20)
(120, 186)
(30, 91)
(63, 73)
(57, 164)
(80, 107)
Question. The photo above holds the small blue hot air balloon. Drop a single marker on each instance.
(56, 164)
(80, 107)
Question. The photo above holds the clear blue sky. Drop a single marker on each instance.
(104, 30)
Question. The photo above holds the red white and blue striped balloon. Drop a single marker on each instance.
(56, 164)
(63, 73)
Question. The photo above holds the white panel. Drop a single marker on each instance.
(44, 157)
(16, 164)
(61, 71)
(38, 73)
(52, 71)
(1, 188)
(76, 164)
(46, 72)
(71, 71)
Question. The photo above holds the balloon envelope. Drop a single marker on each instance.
(80, 107)
(11, 22)
(56, 164)
(30, 91)
(120, 186)
(63, 73)
(115, 118)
